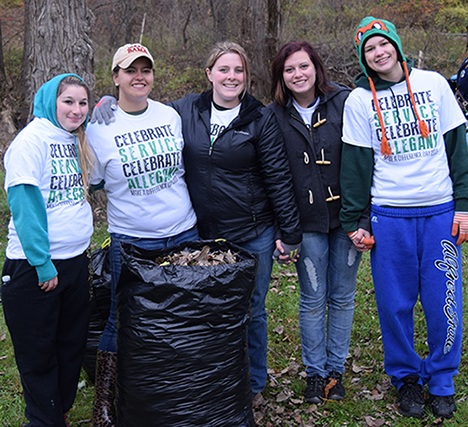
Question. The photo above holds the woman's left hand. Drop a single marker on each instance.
(285, 253)
(49, 285)
(460, 227)
(362, 239)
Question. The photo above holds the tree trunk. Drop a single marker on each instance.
(221, 11)
(57, 40)
(274, 14)
(254, 36)
(2, 64)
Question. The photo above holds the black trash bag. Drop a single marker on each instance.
(100, 307)
(182, 342)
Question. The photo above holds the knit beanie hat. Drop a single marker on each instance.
(368, 28)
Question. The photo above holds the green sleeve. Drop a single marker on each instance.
(457, 155)
(357, 167)
(30, 219)
(93, 188)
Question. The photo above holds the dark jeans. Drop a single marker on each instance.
(263, 246)
(48, 331)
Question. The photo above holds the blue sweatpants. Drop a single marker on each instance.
(415, 255)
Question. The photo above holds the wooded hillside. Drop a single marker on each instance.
(180, 33)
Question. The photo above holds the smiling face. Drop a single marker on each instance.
(299, 75)
(135, 83)
(382, 57)
(228, 78)
(72, 107)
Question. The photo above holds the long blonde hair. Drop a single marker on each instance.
(85, 155)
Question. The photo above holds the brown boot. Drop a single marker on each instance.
(103, 410)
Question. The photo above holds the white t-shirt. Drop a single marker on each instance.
(417, 172)
(306, 113)
(140, 159)
(221, 119)
(44, 156)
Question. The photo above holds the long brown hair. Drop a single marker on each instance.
(279, 92)
(84, 154)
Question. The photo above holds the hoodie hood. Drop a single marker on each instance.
(45, 101)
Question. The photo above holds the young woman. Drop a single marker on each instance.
(405, 151)
(239, 179)
(139, 159)
(45, 283)
(309, 110)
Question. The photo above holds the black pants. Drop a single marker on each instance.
(48, 331)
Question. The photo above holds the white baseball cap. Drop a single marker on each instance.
(125, 55)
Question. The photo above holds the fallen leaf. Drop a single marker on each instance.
(311, 408)
(283, 395)
(329, 386)
(358, 369)
(375, 397)
(279, 329)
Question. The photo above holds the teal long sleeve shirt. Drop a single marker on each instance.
(30, 219)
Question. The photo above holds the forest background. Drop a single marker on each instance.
(42, 38)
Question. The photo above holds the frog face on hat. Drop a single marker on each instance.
(370, 27)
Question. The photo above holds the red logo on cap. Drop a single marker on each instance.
(373, 25)
(136, 48)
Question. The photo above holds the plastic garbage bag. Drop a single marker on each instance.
(100, 306)
(182, 341)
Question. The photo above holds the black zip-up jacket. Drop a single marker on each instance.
(314, 155)
(241, 184)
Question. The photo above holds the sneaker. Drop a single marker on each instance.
(442, 406)
(337, 390)
(410, 397)
(315, 391)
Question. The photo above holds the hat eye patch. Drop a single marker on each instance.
(371, 26)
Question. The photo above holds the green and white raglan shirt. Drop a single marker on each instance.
(43, 157)
(417, 172)
(140, 159)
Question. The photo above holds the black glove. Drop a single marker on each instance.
(292, 251)
(104, 110)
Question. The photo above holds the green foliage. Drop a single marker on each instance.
(173, 81)
(10, 3)
(104, 84)
(174, 76)
(453, 19)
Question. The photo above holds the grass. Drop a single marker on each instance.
(370, 398)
